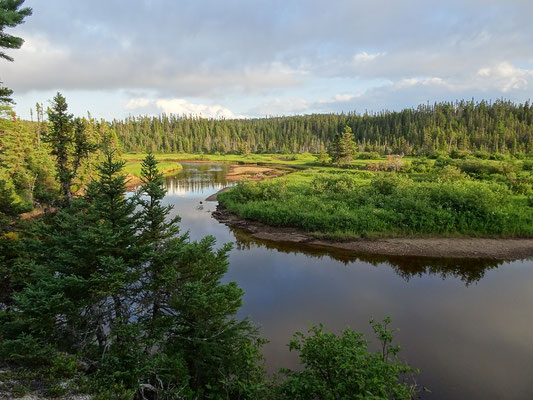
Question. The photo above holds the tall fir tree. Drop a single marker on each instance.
(342, 149)
(69, 144)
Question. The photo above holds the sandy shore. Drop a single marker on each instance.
(475, 248)
(252, 173)
(248, 172)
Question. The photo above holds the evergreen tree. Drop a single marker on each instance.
(11, 15)
(156, 229)
(342, 149)
(69, 142)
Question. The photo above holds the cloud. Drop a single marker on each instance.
(180, 107)
(338, 98)
(276, 56)
(365, 57)
(506, 77)
(133, 104)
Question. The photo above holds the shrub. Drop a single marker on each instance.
(366, 155)
(334, 183)
(477, 167)
(393, 163)
(498, 156)
(437, 154)
(459, 153)
(342, 367)
(388, 184)
(527, 165)
(482, 155)
(451, 174)
(420, 165)
(442, 161)
(262, 191)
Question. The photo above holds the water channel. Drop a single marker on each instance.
(467, 325)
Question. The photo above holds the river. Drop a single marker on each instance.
(467, 325)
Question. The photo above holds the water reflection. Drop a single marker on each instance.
(197, 178)
(467, 270)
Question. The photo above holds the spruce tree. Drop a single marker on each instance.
(342, 149)
(69, 144)
(11, 15)
(156, 229)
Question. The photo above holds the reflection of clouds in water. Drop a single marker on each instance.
(197, 179)
(182, 188)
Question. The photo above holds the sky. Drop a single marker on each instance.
(251, 58)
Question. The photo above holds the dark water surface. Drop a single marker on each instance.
(468, 325)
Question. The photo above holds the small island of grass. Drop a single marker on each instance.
(388, 197)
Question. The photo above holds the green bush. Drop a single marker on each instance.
(342, 367)
(372, 155)
(527, 165)
(265, 190)
(388, 184)
(442, 161)
(498, 156)
(451, 173)
(482, 155)
(477, 167)
(345, 205)
(420, 165)
(459, 154)
(334, 183)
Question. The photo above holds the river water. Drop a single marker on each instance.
(467, 325)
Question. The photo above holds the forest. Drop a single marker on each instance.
(490, 127)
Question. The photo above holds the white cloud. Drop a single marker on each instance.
(506, 77)
(181, 107)
(338, 98)
(365, 57)
(426, 81)
(133, 104)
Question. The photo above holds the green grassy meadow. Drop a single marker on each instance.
(424, 197)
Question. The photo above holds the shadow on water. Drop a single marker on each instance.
(467, 270)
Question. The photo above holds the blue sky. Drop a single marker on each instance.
(252, 58)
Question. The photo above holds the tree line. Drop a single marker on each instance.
(494, 127)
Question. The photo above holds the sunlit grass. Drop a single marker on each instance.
(166, 167)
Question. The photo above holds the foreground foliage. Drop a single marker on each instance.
(108, 297)
(341, 367)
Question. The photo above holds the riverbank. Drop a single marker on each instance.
(133, 171)
(475, 248)
(239, 173)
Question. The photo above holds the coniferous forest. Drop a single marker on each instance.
(496, 127)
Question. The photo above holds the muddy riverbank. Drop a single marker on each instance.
(487, 248)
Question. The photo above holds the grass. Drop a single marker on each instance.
(305, 159)
(351, 203)
(427, 197)
(133, 167)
